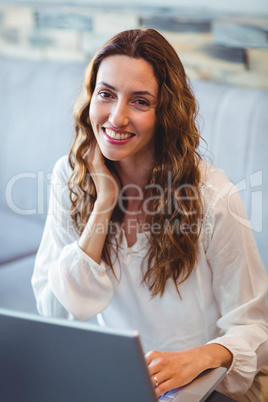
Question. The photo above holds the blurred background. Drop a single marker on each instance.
(225, 42)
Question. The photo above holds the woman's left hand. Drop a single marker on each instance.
(170, 370)
(173, 369)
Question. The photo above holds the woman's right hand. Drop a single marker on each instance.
(107, 183)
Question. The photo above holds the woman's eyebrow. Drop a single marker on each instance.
(106, 85)
(132, 93)
(143, 93)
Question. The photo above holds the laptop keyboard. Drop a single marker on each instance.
(169, 396)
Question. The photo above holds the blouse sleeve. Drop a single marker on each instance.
(240, 287)
(66, 281)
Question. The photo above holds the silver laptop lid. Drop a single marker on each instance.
(52, 360)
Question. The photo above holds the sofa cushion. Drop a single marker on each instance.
(20, 236)
(36, 128)
(234, 122)
(15, 285)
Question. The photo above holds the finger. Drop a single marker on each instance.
(164, 387)
(159, 378)
(149, 357)
(91, 148)
(152, 356)
(157, 364)
(93, 157)
(155, 380)
(154, 369)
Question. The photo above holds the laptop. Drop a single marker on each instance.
(57, 360)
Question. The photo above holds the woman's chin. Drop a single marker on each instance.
(111, 154)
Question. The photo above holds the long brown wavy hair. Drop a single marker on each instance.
(173, 250)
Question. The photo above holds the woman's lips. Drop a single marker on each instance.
(117, 137)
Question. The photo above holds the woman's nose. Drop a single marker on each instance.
(119, 116)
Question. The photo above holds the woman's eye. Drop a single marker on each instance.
(104, 95)
(141, 104)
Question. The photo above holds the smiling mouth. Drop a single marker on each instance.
(117, 136)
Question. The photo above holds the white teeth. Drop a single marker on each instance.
(110, 133)
(117, 136)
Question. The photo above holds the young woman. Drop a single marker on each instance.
(139, 230)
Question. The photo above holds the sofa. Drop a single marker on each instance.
(36, 128)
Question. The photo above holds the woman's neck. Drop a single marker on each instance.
(134, 176)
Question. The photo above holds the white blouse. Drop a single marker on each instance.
(224, 300)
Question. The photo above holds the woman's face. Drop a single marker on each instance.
(122, 109)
